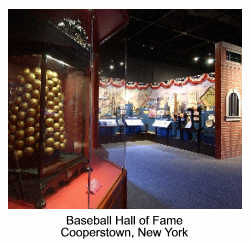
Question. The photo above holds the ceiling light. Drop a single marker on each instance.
(196, 59)
(121, 63)
(61, 24)
(210, 60)
(111, 66)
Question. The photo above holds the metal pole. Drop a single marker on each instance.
(92, 77)
(126, 77)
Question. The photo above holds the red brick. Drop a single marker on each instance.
(228, 76)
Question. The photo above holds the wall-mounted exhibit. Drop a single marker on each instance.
(187, 103)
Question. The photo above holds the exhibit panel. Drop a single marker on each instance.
(115, 94)
(173, 112)
(111, 115)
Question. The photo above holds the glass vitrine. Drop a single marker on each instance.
(107, 180)
(55, 159)
(48, 99)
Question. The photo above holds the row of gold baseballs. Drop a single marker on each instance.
(30, 127)
(20, 134)
(30, 118)
(36, 74)
(19, 131)
(31, 99)
(15, 115)
(19, 109)
(28, 151)
(26, 132)
(18, 141)
(20, 121)
(28, 144)
(31, 79)
(34, 91)
(25, 106)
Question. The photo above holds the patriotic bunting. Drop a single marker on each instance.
(194, 80)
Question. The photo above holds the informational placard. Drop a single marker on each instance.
(188, 125)
(211, 117)
(107, 122)
(208, 98)
(161, 123)
(120, 122)
(134, 122)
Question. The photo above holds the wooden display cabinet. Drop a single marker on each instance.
(53, 98)
(48, 104)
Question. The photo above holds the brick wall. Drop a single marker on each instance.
(228, 76)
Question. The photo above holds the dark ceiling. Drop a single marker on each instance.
(175, 36)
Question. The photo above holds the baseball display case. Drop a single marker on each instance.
(48, 105)
(54, 159)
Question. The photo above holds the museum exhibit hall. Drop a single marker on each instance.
(116, 109)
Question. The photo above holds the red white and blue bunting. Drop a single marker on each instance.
(194, 80)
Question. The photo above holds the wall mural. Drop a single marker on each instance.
(173, 96)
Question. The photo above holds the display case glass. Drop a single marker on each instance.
(110, 154)
(55, 157)
(48, 121)
(109, 158)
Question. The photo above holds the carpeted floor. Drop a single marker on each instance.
(165, 177)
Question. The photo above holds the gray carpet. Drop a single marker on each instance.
(160, 176)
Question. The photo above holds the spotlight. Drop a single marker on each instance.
(111, 66)
(210, 60)
(61, 24)
(196, 59)
(121, 63)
